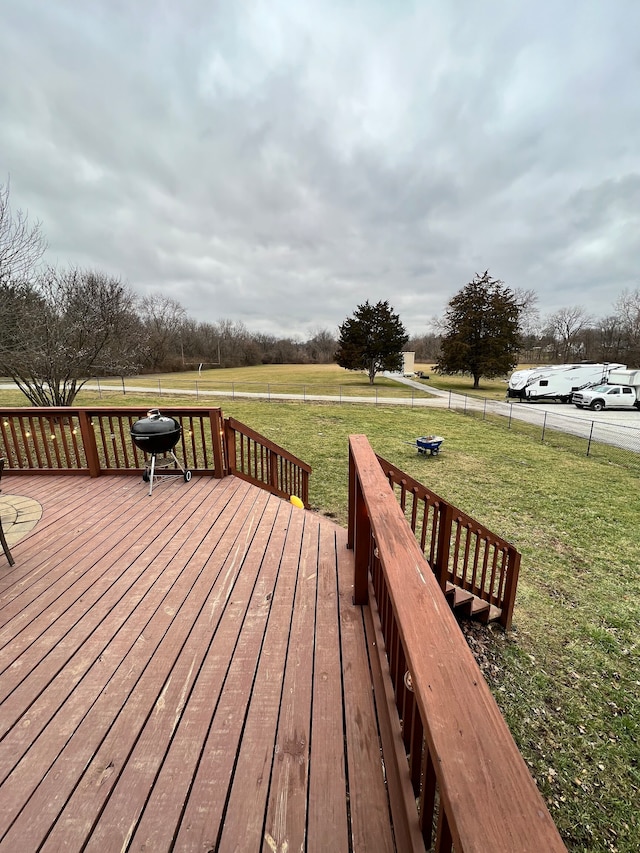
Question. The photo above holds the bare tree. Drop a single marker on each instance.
(627, 311)
(321, 346)
(21, 244)
(565, 327)
(163, 318)
(57, 331)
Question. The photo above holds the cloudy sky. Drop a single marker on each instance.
(279, 162)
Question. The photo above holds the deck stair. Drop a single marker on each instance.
(476, 569)
(465, 603)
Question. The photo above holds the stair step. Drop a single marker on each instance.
(468, 604)
(456, 596)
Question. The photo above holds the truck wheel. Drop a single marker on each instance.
(597, 405)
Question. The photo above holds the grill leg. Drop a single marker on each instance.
(153, 468)
(175, 459)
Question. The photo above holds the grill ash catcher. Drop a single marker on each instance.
(158, 434)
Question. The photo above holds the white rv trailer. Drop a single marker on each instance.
(519, 379)
(559, 382)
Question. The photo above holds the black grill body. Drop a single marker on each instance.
(156, 434)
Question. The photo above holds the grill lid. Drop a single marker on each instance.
(155, 424)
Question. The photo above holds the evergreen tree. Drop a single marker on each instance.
(481, 330)
(371, 340)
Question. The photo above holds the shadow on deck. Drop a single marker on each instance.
(184, 672)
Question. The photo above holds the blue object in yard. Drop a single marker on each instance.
(429, 444)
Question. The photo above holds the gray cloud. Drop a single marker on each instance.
(280, 163)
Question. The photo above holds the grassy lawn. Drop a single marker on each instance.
(567, 677)
(492, 389)
(320, 379)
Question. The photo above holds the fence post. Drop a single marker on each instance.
(484, 412)
(590, 437)
(510, 414)
(445, 523)
(544, 426)
(89, 443)
(124, 390)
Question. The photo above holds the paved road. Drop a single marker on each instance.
(374, 399)
(618, 428)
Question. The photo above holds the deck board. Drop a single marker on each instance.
(183, 672)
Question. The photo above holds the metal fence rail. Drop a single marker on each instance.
(619, 443)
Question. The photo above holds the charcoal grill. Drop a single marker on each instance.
(157, 435)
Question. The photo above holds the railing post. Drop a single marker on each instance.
(230, 446)
(217, 438)
(89, 443)
(445, 523)
(273, 470)
(513, 570)
(351, 506)
(361, 548)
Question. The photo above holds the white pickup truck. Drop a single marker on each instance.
(622, 391)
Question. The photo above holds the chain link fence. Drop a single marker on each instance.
(601, 439)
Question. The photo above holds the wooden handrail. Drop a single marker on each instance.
(461, 550)
(252, 456)
(455, 752)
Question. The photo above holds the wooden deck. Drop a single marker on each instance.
(184, 672)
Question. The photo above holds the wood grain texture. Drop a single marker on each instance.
(161, 661)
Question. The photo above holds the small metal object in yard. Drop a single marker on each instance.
(427, 444)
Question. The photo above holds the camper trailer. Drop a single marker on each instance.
(559, 381)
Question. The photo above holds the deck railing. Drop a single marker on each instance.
(96, 440)
(446, 745)
(256, 458)
(460, 550)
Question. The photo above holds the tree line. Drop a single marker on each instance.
(60, 326)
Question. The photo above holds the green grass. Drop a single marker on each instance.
(491, 389)
(303, 379)
(567, 677)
